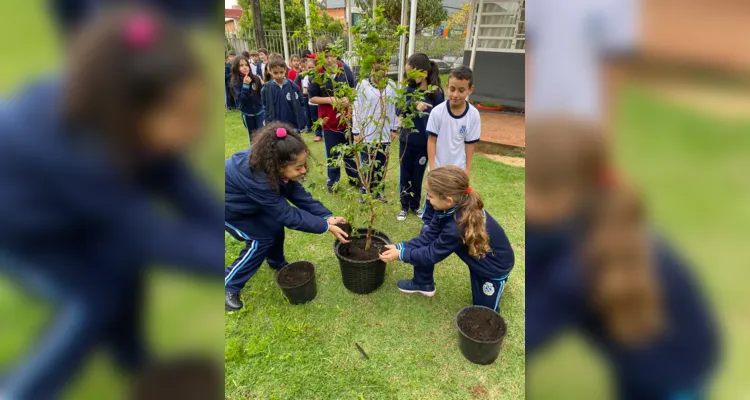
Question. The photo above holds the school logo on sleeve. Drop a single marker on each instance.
(462, 131)
(488, 288)
(423, 161)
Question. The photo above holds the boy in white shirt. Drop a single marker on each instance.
(453, 129)
(374, 121)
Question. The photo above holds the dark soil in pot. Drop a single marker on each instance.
(480, 334)
(362, 271)
(297, 281)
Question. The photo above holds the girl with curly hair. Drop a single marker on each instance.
(259, 185)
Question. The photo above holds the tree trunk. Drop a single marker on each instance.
(260, 37)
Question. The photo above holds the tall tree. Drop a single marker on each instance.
(430, 13)
(260, 38)
(250, 22)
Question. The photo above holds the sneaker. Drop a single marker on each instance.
(382, 199)
(419, 213)
(401, 216)
(317, 139)
(232, 301)
(407, 286)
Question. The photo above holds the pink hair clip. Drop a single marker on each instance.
(280, 133)
(140, 31)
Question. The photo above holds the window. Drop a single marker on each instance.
(502, 26)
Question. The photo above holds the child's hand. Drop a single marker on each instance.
(394, 135)
(343, 102)
(336, 220)
(391, 254)
(247, 80)
(421, 106)
(338, 233)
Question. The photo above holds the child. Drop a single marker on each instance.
(259, 184)
(374, 121)
(463, 227)
(246, 54)
(281, 97)
(329, 107)
(255, 65)
(266, 73)
(303, 82)
(295, 70)
(229, 101)
(594, 263)
(74, 167)
(312, 111)
(413, 149)
(246, 88)
(454, 127)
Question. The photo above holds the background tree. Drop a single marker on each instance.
(459, 19)
(430, 13)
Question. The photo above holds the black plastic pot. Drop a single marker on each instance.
(477, 351)
(362, 277)
(303, 292)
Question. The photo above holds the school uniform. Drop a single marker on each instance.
(413, 153)
(229, 103)
(258, 69)
(283, 103)
(334, 130)
(302, 81)
(251, 107)
(453, 133)
(368, 108)
(257, 214)
(78, 232)
(676, 365)
(442, 237)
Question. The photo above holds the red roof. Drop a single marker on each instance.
(232, 13)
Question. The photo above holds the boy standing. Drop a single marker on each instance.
(453, 128)
(262, 63)
(282, 98)
(334, 129)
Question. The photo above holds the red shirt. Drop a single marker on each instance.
(292, 75)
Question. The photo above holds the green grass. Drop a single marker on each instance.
(278, 351)
(692, 169)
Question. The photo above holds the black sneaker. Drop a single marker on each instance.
(232, 301)
(401, 216)
(419, 213)
(407, 286)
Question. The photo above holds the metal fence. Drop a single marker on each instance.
(274, 42)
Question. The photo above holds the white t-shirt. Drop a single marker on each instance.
(367, 119)
(567, 44)
(453, 133)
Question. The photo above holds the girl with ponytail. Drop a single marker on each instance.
(594, 263)
(423, 94)
(461, 226)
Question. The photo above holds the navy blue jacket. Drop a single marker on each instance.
(418, 139)
(442, 237)
(283, 103)
(247, 101)
(227, 73)
(66, 208)
(254, 210)
(681, 360)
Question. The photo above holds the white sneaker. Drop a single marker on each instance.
(401, 216)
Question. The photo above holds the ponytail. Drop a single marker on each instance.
(421, 62)
(473, 222)
(451, 181)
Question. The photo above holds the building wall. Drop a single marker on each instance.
(499, 77)
(229, 26)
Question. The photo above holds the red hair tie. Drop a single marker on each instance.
(280, 133)
(468, 190)
(140, 31)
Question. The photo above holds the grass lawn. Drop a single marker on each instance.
(278, 351)
(692, 169)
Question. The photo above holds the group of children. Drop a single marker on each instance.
(261, 182)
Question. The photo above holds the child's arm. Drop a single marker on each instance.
(265, 97)
(291, 217)
(432, 129)
(315, 95)
(300, 119)
(243, 96)
(472, 137)
(446, 243)
(304, 200)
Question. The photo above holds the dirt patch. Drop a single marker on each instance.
(296, 275)
(512, 161)
(481, 325)
(355, 250)
(478, 392)
(723, 102)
